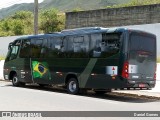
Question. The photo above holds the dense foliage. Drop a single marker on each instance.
(51, 21)
(22, 23)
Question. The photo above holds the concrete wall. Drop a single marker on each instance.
(114, 16)
(4, 41)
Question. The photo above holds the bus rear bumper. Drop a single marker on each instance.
(138, 84)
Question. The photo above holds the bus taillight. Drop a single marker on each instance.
(154, 76)
(125, 73)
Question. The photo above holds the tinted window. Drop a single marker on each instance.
(14, 52)
(36, 46)
(142, 42)
(78, 46)
(14, 48)
(25, 48)
(78, 43)
(106, 44)
(55, 47)
(68, 47)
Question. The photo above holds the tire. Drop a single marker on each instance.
(73, 86)
(16, 82)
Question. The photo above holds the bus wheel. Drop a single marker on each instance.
(16, 82)
(72, 86)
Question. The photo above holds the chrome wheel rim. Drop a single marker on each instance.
(72, 86)
(15, 79)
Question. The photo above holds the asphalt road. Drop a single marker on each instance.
(34, 98)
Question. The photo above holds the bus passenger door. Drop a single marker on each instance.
(39, 64)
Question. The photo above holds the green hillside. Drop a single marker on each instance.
(13, 9)
(62, 5)
(69, 5)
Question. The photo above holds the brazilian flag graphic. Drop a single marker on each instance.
(40, 70)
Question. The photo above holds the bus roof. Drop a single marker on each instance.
(78, 31)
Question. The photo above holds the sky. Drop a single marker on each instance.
(7, 3)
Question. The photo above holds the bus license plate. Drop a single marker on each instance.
(141, 85)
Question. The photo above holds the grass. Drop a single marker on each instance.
(2, 58)
(158, 60)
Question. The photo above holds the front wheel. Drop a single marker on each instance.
(16, 82)
(73, 86)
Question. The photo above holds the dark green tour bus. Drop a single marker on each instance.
(94, 58)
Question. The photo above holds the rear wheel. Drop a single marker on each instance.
(73, 86)
(16, 82)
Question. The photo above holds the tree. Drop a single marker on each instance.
(5, 25)
(18, 27)
(51, 21)
(22, 15)
(26, 18)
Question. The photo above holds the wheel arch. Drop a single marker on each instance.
(70, 75)
(11, 74)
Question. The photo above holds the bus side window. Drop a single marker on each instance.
(106, 45)
(77, 44)
(44, 49)
(111, 44)
(80, 46)
(97, 49)
(25, 48)
(36, 45)
(55, 47)
(95, 45)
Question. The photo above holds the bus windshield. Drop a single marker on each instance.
(13, 50)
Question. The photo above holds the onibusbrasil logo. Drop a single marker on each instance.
(40, 70)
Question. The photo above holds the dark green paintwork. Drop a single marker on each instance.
(90, 72)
